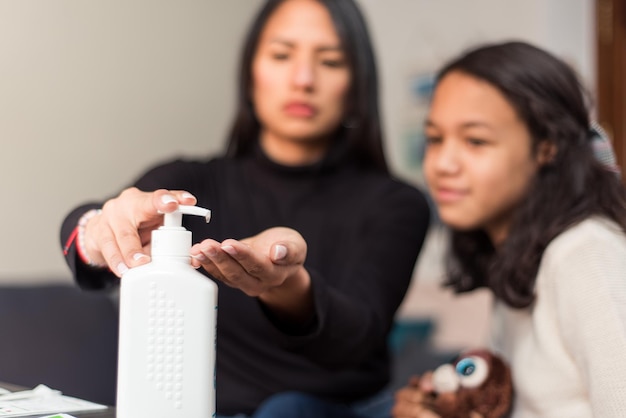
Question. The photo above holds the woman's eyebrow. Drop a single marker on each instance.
(323, 48)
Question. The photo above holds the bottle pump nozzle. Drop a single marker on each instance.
(175, 219)
(172, 240)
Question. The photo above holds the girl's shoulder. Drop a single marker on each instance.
(593, 239)
(595, 228)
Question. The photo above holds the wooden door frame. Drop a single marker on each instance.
(611, 73)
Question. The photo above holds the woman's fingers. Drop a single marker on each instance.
(111, 252)
(233, 263)
(203, 255)
(101, 245)
(238, 265)
(120, 235)
(122, 244)
(256, 264)
(166, 201)
(284, 246)
(287, 253)
(144, 212)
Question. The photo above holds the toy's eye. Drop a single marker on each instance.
(472, 371)
(466, 366)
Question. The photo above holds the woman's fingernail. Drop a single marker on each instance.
(209, 252)
(229, 249)
(139, 256)
(199, 257)
(167, 198)
(188, 196)
(280, 251)
(122, 268)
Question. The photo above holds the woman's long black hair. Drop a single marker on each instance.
(549, 99)
(362, 128)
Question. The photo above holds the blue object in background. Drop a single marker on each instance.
(422, 86)
(406, 330)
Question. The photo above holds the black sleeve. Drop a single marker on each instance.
(354, 313)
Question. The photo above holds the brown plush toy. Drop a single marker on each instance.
(477, 384)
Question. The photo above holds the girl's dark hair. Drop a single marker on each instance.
(362, 128)
(549, 99)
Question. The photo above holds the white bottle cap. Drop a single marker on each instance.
(171, 239)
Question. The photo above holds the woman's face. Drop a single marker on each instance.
(300, 80)
(479, 159)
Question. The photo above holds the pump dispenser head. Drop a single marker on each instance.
(171, 239)
(175, 218)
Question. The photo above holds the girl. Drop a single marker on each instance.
(538, 219)
(312, 242)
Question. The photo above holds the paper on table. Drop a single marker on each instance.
(59, 416)
(42, 400)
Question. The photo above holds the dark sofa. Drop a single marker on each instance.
(60, 336)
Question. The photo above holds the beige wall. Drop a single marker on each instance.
(94, 91)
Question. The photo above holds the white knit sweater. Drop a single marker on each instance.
(568, 350)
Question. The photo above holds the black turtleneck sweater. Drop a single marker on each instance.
(364, 231)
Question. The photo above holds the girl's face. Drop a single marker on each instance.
(479, 159)
(300, 81)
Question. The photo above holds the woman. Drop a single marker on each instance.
(538, 219)
(312, 242)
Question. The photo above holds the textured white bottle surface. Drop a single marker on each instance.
(166, 363)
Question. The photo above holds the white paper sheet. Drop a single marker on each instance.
(42, 400)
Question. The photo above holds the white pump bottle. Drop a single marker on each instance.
(168, 312)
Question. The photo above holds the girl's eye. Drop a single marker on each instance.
(332, 63)
(476, 141)
(280, 56)
(432, 139)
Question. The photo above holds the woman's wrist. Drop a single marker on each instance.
(293, 299)
(81, 247)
